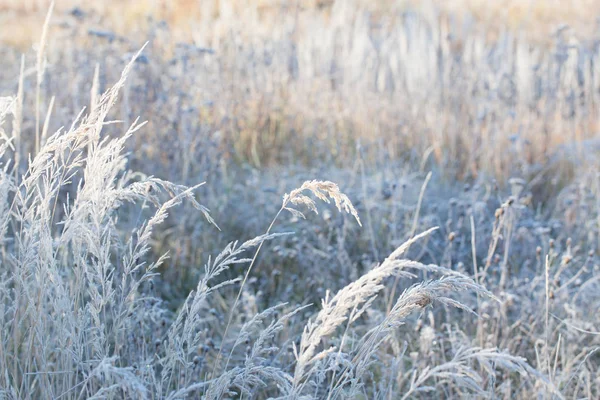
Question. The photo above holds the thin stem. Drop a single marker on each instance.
(40, 67)
(340, 351)
(413, 229)
(547, 327)
(372, 239)
(240, 294)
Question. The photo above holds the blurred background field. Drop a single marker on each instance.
(498, 100)
(537, 19)
(475, 87)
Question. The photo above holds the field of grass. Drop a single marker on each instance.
(299, 200)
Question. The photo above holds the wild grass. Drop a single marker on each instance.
(118, 284)
(78, 320)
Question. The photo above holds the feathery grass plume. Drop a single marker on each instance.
(355, 298)
(133, 263)
(416, 298)
(257, 370)
(35, 263)
(184, 333)
(321, 189)
(8, 106)
(461, 371)
(113, 381)
(78, 289)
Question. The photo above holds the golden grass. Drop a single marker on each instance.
(537, 19)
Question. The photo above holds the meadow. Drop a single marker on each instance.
(326, 199)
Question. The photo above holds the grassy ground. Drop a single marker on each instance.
(476, 119)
